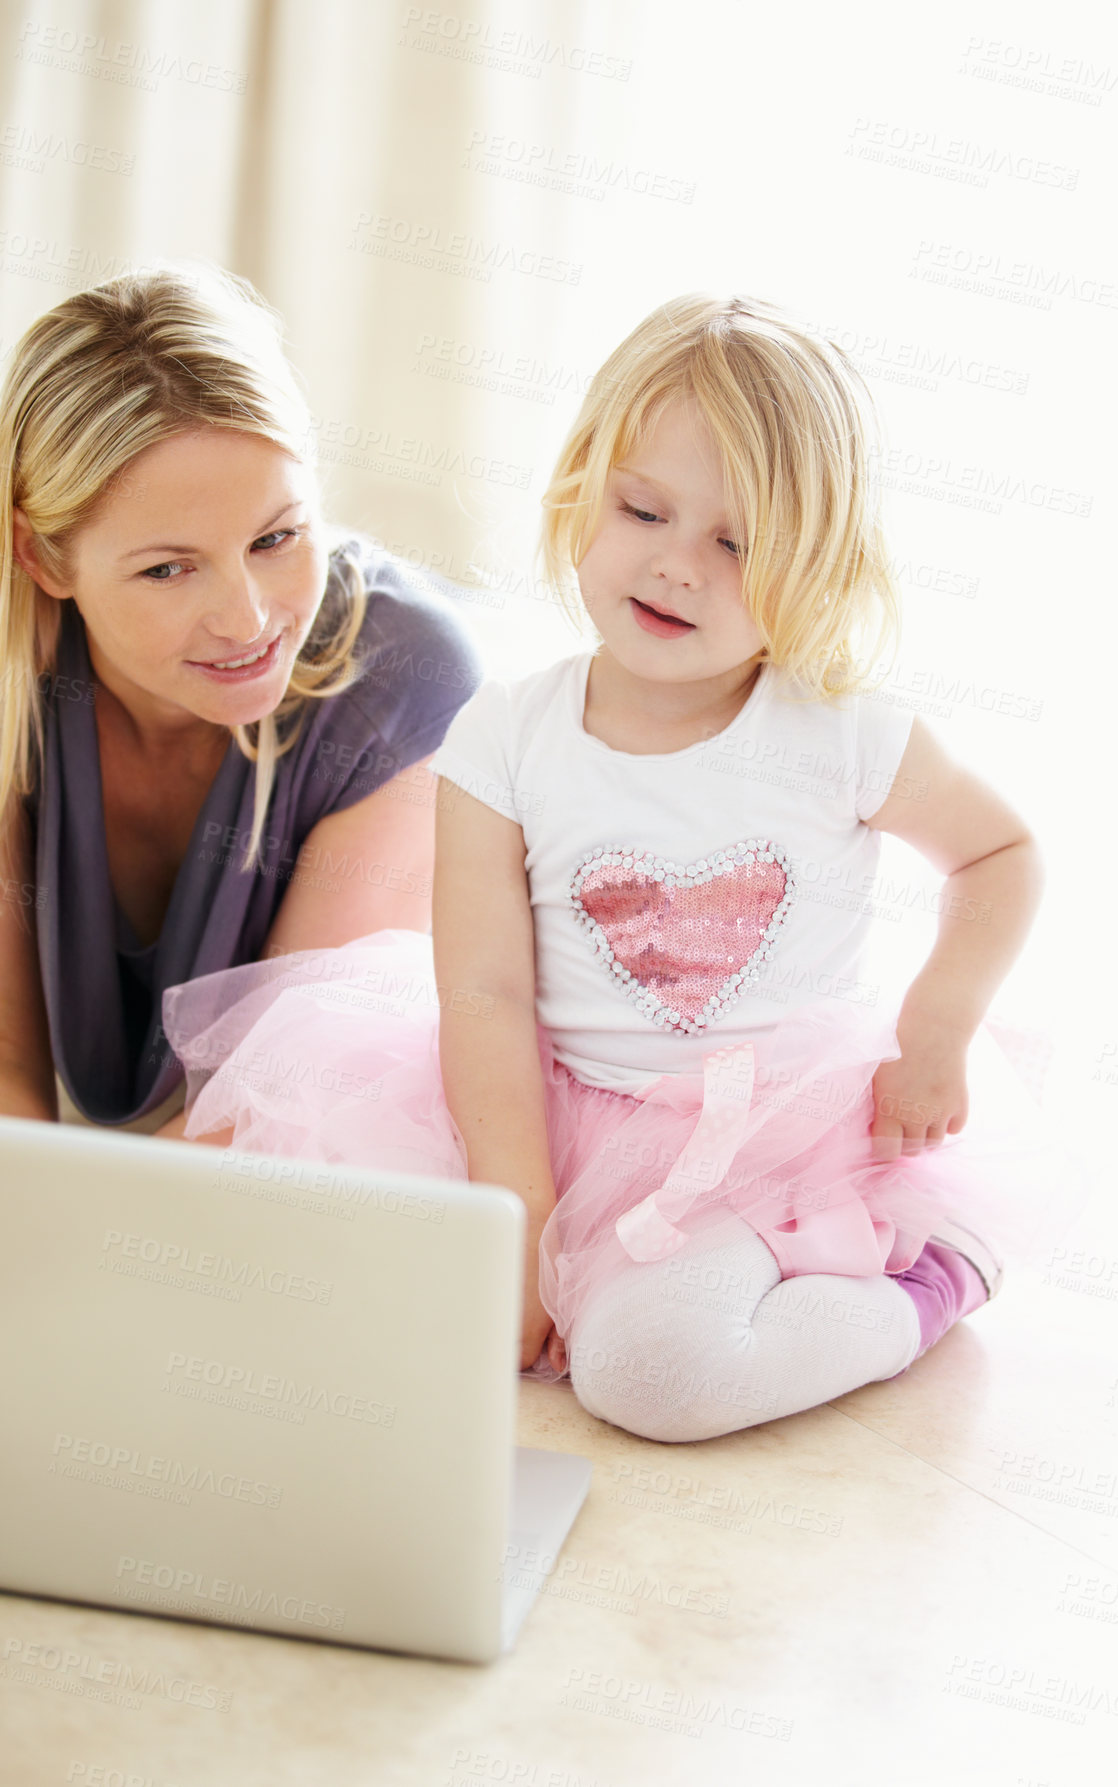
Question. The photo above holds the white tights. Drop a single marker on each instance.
(712, 1340)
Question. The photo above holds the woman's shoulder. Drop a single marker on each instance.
(412, 629)
(416, 660)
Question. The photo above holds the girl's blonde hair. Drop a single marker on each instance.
(797, 436)
(102, 376)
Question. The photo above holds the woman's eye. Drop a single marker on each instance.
(265, 543)
(730, 547)
(641, 514)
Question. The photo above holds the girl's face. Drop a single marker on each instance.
(661, 579)
(207, 552)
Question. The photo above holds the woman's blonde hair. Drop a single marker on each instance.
(102, 376)
(796, 432)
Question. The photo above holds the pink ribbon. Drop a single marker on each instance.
(648, 1231)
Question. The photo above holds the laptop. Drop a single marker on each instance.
(267, 1393)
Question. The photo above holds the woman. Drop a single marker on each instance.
(213, 712)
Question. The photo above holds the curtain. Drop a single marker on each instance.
(460, 212)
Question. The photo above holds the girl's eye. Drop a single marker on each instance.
(641, 514)
(730, 547)
(266, 543)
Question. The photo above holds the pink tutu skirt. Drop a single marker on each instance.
(332, 1055)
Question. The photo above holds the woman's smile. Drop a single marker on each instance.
(245, 668)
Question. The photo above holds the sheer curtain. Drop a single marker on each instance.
(459, 212)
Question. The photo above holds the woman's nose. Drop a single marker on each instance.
(242, 614)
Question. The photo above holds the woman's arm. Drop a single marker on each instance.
(485, 969)
(994, 879)
(367, 868)
(27, 1087)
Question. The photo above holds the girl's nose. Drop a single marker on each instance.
(678, 562)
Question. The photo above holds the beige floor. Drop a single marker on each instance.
(916, 1584)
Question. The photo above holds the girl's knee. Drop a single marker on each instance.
(658, 1397)
(660, 1412)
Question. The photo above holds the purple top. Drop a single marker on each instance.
(103, 991)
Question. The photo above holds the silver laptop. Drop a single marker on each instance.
(267, 1394)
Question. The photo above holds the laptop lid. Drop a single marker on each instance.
(257, 1392)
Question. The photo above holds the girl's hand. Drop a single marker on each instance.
(536, 1329)
(920, 1098)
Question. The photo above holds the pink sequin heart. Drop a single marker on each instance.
(684, 940)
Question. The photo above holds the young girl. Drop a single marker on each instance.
(744, 1192)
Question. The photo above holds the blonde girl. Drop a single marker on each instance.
(745, 1186)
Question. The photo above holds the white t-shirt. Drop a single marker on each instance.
(686, 900)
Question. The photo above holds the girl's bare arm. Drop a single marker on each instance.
(485, 968)
(994, 879)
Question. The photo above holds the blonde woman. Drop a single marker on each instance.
(745, 1188)
(212, 705)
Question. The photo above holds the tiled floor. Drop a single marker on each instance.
(916, 1584)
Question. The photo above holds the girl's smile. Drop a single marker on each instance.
(659, 621)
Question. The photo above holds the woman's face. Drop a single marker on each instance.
(207, 552)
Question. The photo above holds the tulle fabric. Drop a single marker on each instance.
(332, 1055)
